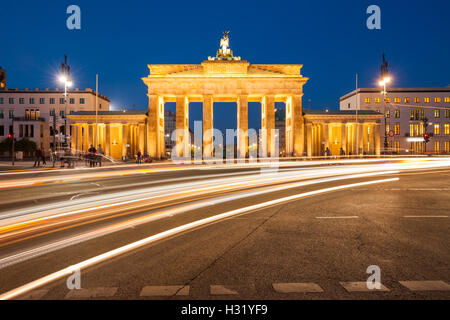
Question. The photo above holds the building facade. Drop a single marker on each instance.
(34, 114)
(406, 111)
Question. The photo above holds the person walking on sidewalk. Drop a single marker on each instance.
(37, 157)
(99, 155)
(91, 154)
(43, 157)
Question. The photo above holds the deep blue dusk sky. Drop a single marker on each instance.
(330, 38)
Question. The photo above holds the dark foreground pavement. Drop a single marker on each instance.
(314, 248)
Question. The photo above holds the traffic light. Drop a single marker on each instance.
(426, 136)
(9, 136)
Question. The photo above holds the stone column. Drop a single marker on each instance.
(125, 131)
(242, 126)
(377, 139)
(297, 124)
(182, 126)
(141, 138)
(107, 146)
(91, 130)
(309, 139)
(289, 142)
(208, 125)
(86, 137)
(360, 138)
(155, 141)
(326, 136)
(344, 137)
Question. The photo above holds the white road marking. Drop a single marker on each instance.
(337, 217)
(34, 295)
(426, 285)
(169, 233)
(164, 291)
(360, 287)
(222, 290)
(306, 287)
(425, 217)
(102, 292)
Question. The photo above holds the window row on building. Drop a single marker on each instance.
(42, 100)
(408, 100)
(417, 130)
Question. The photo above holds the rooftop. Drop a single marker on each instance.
(48, 90)
(397, 90)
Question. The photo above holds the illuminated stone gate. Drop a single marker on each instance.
(225, 78)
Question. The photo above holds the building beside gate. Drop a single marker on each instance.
(406, 110)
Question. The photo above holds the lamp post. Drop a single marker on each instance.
(383, 83)
(67, 84)
(65, 79)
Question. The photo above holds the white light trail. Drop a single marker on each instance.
(187, 227)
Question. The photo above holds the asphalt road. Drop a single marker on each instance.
(301, 233)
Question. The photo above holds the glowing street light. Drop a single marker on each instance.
(383, 84)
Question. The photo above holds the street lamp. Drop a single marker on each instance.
(383, 84)
(67, 84)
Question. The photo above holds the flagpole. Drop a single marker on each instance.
(357, 129)
(96, 111)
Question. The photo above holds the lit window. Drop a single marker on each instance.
(447, 129)
(447, 113)
(417, 100)
(426, 100)
(447, 99)
(388, 128)
(411, 114)
(397, 129)
(421, 130)
(447, 146)
(377, 100)
(437, 113)
(388, 113)
(397, 147)
(422, 114)
(437, 100)
(397, 114)
(388, 100)
(437, 147)
(411, 130)
(437, 129)
(397, 100)
(407, 100)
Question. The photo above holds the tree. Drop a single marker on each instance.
(6, 145)
(26, 146)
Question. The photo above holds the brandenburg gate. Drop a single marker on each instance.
(225, 78)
